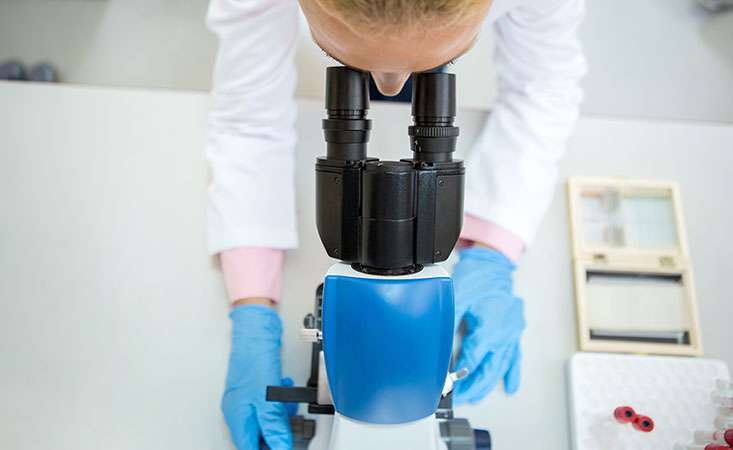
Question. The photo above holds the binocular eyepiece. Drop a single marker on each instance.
(432, 137)
(389, 217)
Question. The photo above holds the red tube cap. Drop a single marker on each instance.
(728, 436)
(624, 414)
(643, 423)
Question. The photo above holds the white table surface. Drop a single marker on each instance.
(113, 327)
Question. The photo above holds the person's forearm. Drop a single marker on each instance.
(253, 275)
(484, 233)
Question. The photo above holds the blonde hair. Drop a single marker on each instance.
(380, 16)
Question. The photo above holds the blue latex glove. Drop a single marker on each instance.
(494, 320)
(254, 364)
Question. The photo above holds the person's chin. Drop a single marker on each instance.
(390, 93)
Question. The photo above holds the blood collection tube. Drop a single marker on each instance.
(709, 437)
(728, 436)
(643, 423)
(624, 414)
(716, 447)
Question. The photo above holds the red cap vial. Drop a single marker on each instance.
(643, 423)
(624, 414)
(728, 436)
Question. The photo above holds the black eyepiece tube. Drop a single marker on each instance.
(433, 136)
(346, 90)
(347, 101)
(434, 98)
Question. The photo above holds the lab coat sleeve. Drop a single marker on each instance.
(512, 171)
(251, 135)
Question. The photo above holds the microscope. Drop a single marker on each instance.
(382, 328)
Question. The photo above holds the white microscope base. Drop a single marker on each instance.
(348, 434)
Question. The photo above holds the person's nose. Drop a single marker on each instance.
(390, 83)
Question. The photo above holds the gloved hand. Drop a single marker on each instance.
(494, 320)
(254, 364)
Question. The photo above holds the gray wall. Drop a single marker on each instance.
(651, 58)
(142, 43)
(659, 58)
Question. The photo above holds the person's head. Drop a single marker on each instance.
(393, 38)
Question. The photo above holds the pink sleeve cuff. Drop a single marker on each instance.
(479, 230)
(253, 272)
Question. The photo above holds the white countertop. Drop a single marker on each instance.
(113, 325)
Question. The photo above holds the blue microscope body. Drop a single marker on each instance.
(387, 345)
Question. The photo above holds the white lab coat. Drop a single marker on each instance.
(511, 175)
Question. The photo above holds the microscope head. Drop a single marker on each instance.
(389, 217)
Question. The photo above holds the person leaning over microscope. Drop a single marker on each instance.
(511, 174)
